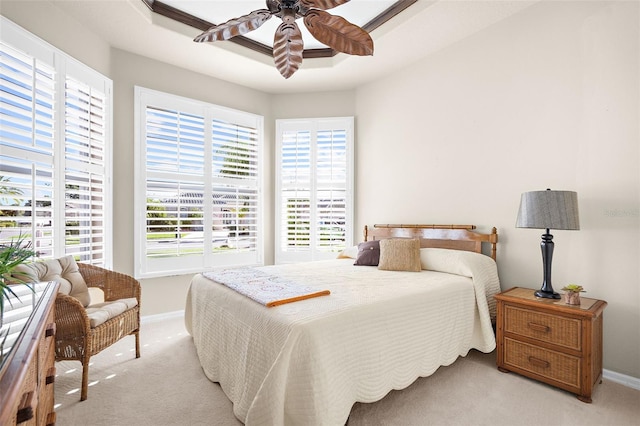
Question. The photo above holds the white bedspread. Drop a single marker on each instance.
(308, 362)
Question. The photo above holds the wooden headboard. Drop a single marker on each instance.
(457, 237)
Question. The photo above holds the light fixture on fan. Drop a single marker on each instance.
(288, 46)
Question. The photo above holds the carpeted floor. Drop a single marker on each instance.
(166, 386)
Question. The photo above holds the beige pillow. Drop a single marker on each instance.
(64, 270)
(400, 254)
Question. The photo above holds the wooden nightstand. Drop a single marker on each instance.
(550, 341)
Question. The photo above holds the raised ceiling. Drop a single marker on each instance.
(204, 14)
(421, 30)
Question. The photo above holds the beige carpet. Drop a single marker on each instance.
(166, 386)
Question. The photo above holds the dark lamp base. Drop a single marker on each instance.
(547, 294)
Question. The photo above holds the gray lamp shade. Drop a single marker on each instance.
(549, 210)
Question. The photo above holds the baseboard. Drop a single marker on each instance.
(162, 316)
(623, 379)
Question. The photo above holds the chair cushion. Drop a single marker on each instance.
(102, 312)
(64, 270)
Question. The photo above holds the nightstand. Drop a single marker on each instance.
(550, 341)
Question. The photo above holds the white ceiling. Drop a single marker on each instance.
(420, 30)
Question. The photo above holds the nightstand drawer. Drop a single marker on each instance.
(547, 328)
(553, 365)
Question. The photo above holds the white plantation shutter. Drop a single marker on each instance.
(295, 194)
(175, 142)
(18, 308)
(175, 174)
(314, 185)
(27, 146)
(54, 145)
(235, 151)
(331, 190)
(174, 183)
(29, 210)
(200, 198)
(85, 172)
(235, 186)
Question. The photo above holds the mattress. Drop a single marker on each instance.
(308, 362)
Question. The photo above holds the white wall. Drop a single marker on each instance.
(546, 99)
(312, 105)
(49, 23)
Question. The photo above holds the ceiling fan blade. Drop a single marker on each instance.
(323, 4)
(287, 48)
(235, 27)
(338, 33)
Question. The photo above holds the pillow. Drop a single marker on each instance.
(64, 270)
(368, 253)
(349, 253)
(400, 254)
(452, 261)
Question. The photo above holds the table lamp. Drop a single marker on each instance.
(548, 210)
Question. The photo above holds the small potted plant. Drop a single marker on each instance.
(12, 254)
(572, 295)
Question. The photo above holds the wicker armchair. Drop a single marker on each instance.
(76, 339)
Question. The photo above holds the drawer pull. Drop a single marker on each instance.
(51, 330)
(27, 407)
(51, 419)
(538, 362)
(51, 376)
(539, 327)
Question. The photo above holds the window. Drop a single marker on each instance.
(314, 184)
(55, 144)
(198, 185)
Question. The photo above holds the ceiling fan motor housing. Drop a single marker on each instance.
(287, 8)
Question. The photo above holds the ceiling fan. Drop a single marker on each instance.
(332, 30)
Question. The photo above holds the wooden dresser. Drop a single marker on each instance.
(550, 341)
(27, 371)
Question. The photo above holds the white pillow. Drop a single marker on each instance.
(349, 253)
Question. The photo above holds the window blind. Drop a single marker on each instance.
(314, 183)
(200, 165)
(54, 149)
(85, 171)
(235, 163)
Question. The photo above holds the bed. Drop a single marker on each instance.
(308, 362)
